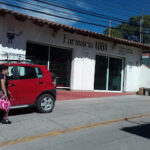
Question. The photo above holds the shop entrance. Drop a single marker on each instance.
(37, 54)
(108, 73)
(60, 64)
(58, 60)
(115, 74)
(101, 72)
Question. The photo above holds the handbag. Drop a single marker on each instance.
(4, 104)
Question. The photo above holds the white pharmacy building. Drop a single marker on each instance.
(83, 60)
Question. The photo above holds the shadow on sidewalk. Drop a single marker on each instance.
(22, 111)
(142, 130)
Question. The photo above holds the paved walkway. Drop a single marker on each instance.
(71, 95)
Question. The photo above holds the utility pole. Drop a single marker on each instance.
(110, 23)
(141, 28)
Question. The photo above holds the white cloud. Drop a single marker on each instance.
(44, 16)
(56, 19)
(82, 4)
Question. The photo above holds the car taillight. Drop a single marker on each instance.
(55, 81)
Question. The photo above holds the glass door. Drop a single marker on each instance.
(101, 72)
(60, 64)
(115, 74)
(108, 73)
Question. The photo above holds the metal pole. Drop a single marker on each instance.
(141, 28)
(48, 62)
(110, 27)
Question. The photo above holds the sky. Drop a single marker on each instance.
(101, 11)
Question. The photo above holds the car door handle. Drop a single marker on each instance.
(11, 85)
(41, 82)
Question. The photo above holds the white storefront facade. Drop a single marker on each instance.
(82, 62)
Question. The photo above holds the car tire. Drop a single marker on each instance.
(45, 103)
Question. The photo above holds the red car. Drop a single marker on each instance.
(31, 85)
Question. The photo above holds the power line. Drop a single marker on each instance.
(82, 17)
(131, 24)
(123, 5)
(66, 18)
(135, 25)
(66, 12)
(87, 12)
(82, 11)
(49, 14)
(98, 7)
(72, 14)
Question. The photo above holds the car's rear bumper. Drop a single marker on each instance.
(54, 93)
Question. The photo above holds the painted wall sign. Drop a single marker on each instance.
(97, 45)
(124, 51)
(11, 36)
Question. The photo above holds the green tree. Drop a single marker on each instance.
(131, 29)
(113, 33)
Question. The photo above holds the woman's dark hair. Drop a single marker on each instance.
(3, 67)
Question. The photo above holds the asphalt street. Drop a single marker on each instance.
(110, 123)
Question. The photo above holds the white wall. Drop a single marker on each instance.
(84, 66)
(133, 72)
(7, 25)
(144, 76)
(83, 62)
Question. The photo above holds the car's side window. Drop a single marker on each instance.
(39, 73)
(12, 73)
(21, 71)
(26, 72)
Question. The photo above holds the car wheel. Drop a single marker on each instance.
(45, 103)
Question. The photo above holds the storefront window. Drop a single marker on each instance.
(60, 64)
(101, 72)
(59, 59)
(108, 73)
(37, 54)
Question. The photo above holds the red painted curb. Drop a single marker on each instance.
(72, 95)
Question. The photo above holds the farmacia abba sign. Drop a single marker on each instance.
(97, 45)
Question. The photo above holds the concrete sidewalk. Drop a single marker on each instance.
(72, 95)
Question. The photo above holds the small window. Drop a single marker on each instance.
(21, 71)
(38, 73)
(12, 73)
